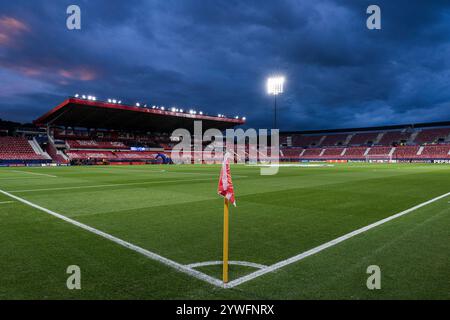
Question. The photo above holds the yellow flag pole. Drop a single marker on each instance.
(225, 241)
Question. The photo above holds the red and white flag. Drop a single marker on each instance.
(225, 188)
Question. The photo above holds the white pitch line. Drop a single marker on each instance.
(5, 202)
(34, 173)
(105, 185)
(237, 263)
(154, 256)
(327, 245)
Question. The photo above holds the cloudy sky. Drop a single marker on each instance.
(214, 55)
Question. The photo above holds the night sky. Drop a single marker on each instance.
(215, 55)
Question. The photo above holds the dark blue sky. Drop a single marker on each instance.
(215, 56)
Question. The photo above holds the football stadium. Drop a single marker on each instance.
(232, 157)
(90, 186)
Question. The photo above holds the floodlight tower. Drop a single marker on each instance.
(275, 87)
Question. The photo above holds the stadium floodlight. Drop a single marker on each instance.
(181, 110)
(275, 87)
(94, 98)
(201, 112)
(138, 104)
(77, 95)
(83, 96)
(119, 102)
(244, 118)
(162, 108)
(114, 101)
(237, 117)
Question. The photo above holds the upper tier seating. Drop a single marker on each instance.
(334, 139)
(363, 138)
(391, 137)
(305, 141)
(432, 135)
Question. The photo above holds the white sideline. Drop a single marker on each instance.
(326, 245)
(106, 185)
(5, 202)
(149, 254)
(34, 173)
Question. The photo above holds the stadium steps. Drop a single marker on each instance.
(413, 136)
(349, 137)
(420, 151)
(37, 149)
(379, 137)
(321, 140)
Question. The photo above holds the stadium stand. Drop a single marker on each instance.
(436, 152)
(394, 137)
(334, 139)
(432, 136)
(406, 152)
(332, 153)
(363, 138)
(355, 153)
(18, 149)
(87, 132)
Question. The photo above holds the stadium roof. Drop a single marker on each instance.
(74, 112)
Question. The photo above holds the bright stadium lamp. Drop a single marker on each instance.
(77, 95)
(275, 87)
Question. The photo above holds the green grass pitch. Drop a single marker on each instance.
(174, 211)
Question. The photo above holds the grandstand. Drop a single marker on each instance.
(419, 142)
(81, 131)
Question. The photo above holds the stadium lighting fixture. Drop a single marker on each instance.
(244, 118)
(119, 102)
(77, 95)
(181, 110)
(138, 104)
(94, 98)
(114, 101)
(162, 108)
(201, 112)
(173, 109)
(275, 87)
(153, 107)
(237, 117)
(83, 96)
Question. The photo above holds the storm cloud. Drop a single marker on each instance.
(215, 55)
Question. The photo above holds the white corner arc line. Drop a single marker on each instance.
(326, 245)
(34, 173)
(154, 256)
(237, 263)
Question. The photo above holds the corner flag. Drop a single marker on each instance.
(225, 189)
